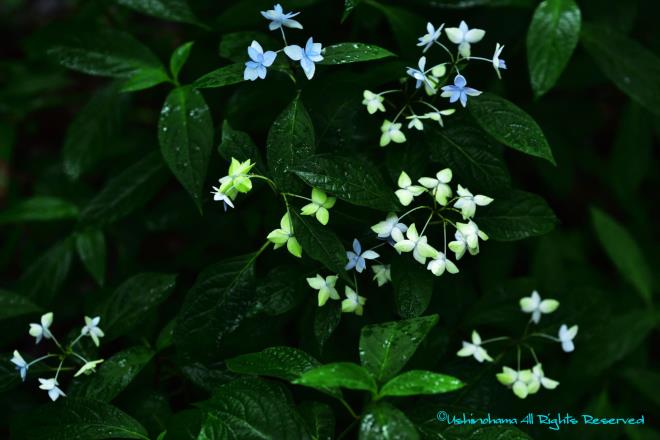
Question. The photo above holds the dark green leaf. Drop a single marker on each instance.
(174, 10)
(510, 125)
(13, 304)
(281, 290)
(238, 144)
(90, 245)
(631, 67)
(349, 5)
(185, 134)
(645, 381)
(416, 382)
(551, 39)
(326, 320)
(45, 276)
(224, 76)
(624, 252)
(179, 58)
(144, 79)
(405, 25)
(339, 374)
(383, 421)
(39, 209)
(349, 178)
(515, 215)
(386, 348)
(413, 286)
(431, 429)
(113, 375)
(319, 419)
(344, 53)
(126, 306)
(319, 243)
(290, 142)
(286, 363)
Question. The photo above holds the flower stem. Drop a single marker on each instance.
(50, 355)
(413, 210)
(348, 407)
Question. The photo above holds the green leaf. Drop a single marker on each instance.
(326, 320)
(126, 306)
(416, 382)
(45, 276)
(126, 192)
(383, 421)
(286, 363)
(405, 25)
(344, 53)
(93, 131)
(624, 252)
(113, 375)
(83, 419)
(290, 141)
(510, 125)
(432, 429)
(515, 215)
(413, 286)
(631, 67)
(13, 304)
(349, 178)
(144, 79)
(319, 243)
(645, 381)
(386, 348)
(39, 209)
(349, 6)
(173, 10)
(319, 419)
(185, 134)
(551, 39)
(281, 290)
(224, 76)
(90, 245)
(338, 374)
(179, 58)
(238, 144)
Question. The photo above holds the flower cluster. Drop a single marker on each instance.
(260, 61)
(353, 303)
(41, 331)
(524, 382)
(432, 79)
(236, 181)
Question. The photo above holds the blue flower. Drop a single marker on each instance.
(307, 57)
(431, 36)
(279, 18)
(257, 67)
(21, 365)
(356, 259)
(497, 62)
(420, 74)
(459, 91)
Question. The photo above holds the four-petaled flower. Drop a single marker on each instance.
(459, 91)
(279, 18)
(566, 336)
(284, 235)
(91, 328)
(438, 265)
(517, 380)
(21, 365)
(308, 56)
(40, 331)
(463, 36)
(384, 229)
(325, 286)
(415, 122)
(538, 379)
(437, 116)
(382, 274)
(353, 303)
(472, 235)
(319, 206)
(51, 386)
(459, 245)
(536, 306)
(413, 242)
(419, 74)
(497, 62)
(474, 349)
(438, 185)
(391, 132)
(237, 179)
(431, 36)
(357, 258)
(407, 191)
(373, 102)
(467, 202)
(259, 61)
(88, 368)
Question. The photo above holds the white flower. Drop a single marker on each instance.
(437, 116)
(256, 67)
(518, 380)
(497, 62)
(459, 246)
(373, 102)
(219, 196)
(40, 331)
(538, 378)
(407, 191)
(382, 274)
(307, 56)
(419, 74)
(438, 265)
(92, 329)
(431, 36)
(353, 303)
(474, 349)
(566, 336)
(391, 132)
(467, 202)
(21, 365)
(415, 122)
(413, 242)
(280, 18)
(284, 236)
(463, 36)
(472, 235)
(50, 385)
(438, 185)
(384, 229)
(319, 206)
(325, 286)
(534, 305)
(88, 368)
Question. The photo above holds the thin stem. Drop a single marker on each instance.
(399, 114)
(389, 91)
(283, 36)
(427, 223)
(531, 350)
(350, 410)
(52, 336)
(348, 429)
(501, 338)
(451, 55)
(480, 58)
(50, 355)
(444, 233)
(79, 357)
(518, 356)
(57, 373)
(543, 335)
(75, 341)
(272, 184)
(413, 210)
(297, 196)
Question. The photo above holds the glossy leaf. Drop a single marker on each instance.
(90, 245)
(319, 243)
(174, 10)
(12, 305)
(179, 58)
(43, 279)
(338, 375)
(286, 363)
(223, 76)
(39, 209)
(413, 286)
(238, 144)
(383, 421)
(326, 320)
(349, 6)
(319, 419)
(416, 382)
(344, 53)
